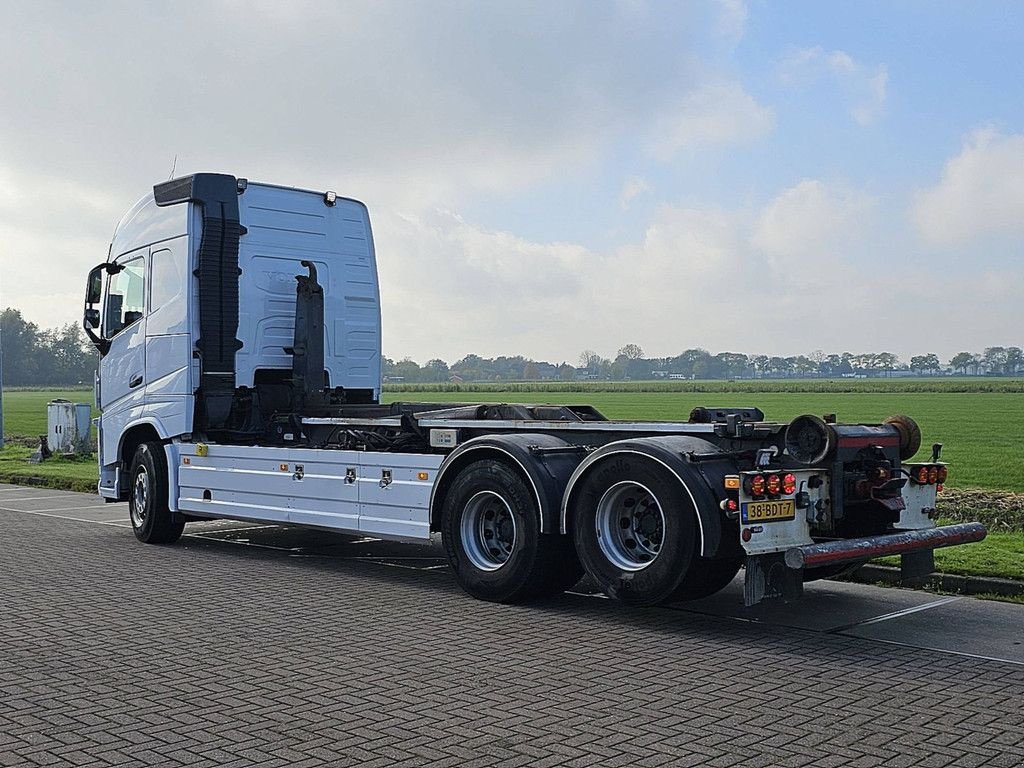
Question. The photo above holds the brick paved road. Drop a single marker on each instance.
(210, 654)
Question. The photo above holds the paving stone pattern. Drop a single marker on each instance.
(211, 654)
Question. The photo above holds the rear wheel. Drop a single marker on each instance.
(152, 520)
(491, 532)
(634, 527)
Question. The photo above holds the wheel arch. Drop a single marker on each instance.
(546, 470)
(671, 452)
(131, 439)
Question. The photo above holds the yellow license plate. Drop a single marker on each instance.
(767, 511)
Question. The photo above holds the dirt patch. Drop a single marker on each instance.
(999, 510)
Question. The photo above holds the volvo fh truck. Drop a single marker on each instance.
(239, 329)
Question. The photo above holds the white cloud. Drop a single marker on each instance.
(712, 114)
(864, 87)
(787, 277)
(732, 18)
(631, 189)
(811, 228)
(981, 192)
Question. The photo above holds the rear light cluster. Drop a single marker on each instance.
(771, 485)
(929, 474)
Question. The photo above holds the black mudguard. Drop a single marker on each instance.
(698, 465)
(546, 462)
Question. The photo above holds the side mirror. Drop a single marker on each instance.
(91, 315)
(94, 287)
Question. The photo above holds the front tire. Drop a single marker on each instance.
(491, 533)
(635, 530)
(152, 520)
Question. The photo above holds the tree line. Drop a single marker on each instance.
(63, 357)
(35, 357)
(631, 363)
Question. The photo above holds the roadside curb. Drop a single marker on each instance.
(947, 582)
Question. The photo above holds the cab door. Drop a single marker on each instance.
(123, 368)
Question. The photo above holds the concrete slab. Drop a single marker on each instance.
(826, 605)
(960, 625)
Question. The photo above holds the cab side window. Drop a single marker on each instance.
(126, 297)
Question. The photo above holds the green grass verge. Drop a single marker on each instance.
(70, 474)
(1000, 555)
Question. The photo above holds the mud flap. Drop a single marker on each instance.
(769, 578)
(916, 567)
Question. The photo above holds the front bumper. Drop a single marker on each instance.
(848, 550)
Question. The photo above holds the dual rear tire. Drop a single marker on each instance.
(490, 527)
(636, 533)
(633, 523)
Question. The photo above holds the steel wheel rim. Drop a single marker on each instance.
(488, 530)
(140, 497)
(630, 526)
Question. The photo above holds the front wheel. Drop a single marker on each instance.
(491, 533)
(152, 520)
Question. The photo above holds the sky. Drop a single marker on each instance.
(549, 177)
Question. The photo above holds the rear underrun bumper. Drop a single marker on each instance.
(848, 550)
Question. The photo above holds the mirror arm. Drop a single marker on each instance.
(103, 345)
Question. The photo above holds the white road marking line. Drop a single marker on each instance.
(63, 509)
(893, 615)
(938, 650)
(66, 517)
(35, 498)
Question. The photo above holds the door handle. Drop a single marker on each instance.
(134, 381)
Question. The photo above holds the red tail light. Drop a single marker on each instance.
(921, 475)
(789, 484)
(774, 484)
(933, 475)
(755, 485)
(943, 473)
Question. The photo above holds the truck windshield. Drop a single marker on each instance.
(126, 298)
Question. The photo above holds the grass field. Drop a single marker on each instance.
(980, 431)
(25, 409)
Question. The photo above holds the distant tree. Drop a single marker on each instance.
(886, 361)
(66, 357)
(590, 359)
(961, 361)
(1014, 359)
(408, 369)
(631, 352)
(846, 364)
(995, 359)
(818, 358)
(831, 365)
(730, 365)
(20, 349)
(436, 370)
(566, 372)
(530, 371)
(760, 364)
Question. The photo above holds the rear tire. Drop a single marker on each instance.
(635, 529)
(152, 520)
(491, 533)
